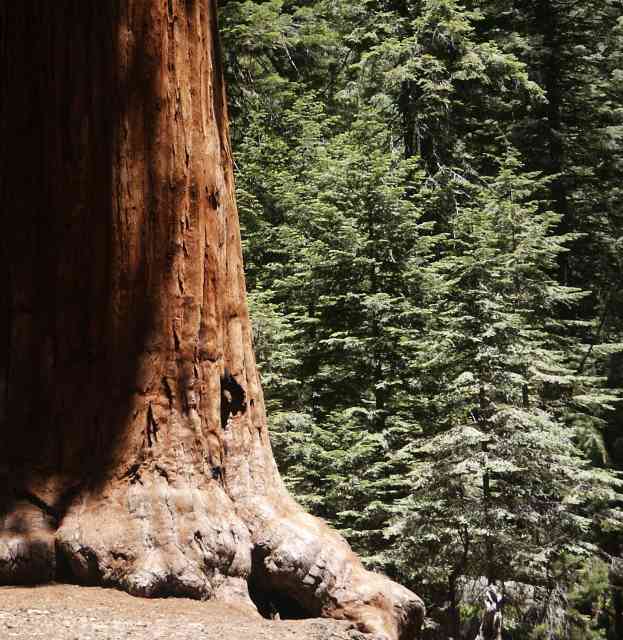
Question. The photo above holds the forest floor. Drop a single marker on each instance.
(68, 612)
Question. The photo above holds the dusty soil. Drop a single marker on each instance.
(68, 612)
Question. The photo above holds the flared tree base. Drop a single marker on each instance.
(154, 537)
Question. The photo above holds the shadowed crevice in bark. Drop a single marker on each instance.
(233, 398)
(270, 600)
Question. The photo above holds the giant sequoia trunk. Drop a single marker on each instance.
(133, 444)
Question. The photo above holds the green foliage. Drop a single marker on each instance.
(499, 488)
(430, 195)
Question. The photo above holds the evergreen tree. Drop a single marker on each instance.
(499, 488)
(350, 294)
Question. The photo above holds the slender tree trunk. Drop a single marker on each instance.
(549, 21)
(612, 541)
(491, 625)
(617, 602)
(133, 445)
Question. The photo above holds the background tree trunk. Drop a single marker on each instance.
(133, 443)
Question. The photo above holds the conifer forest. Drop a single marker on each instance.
(431, 204)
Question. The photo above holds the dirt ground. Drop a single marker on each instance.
(68, 612)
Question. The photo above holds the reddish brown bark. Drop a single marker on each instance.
(133, 444)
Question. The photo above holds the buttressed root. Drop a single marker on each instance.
(300, 557)
(162, 538)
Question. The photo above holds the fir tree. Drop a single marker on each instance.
(499, 487)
